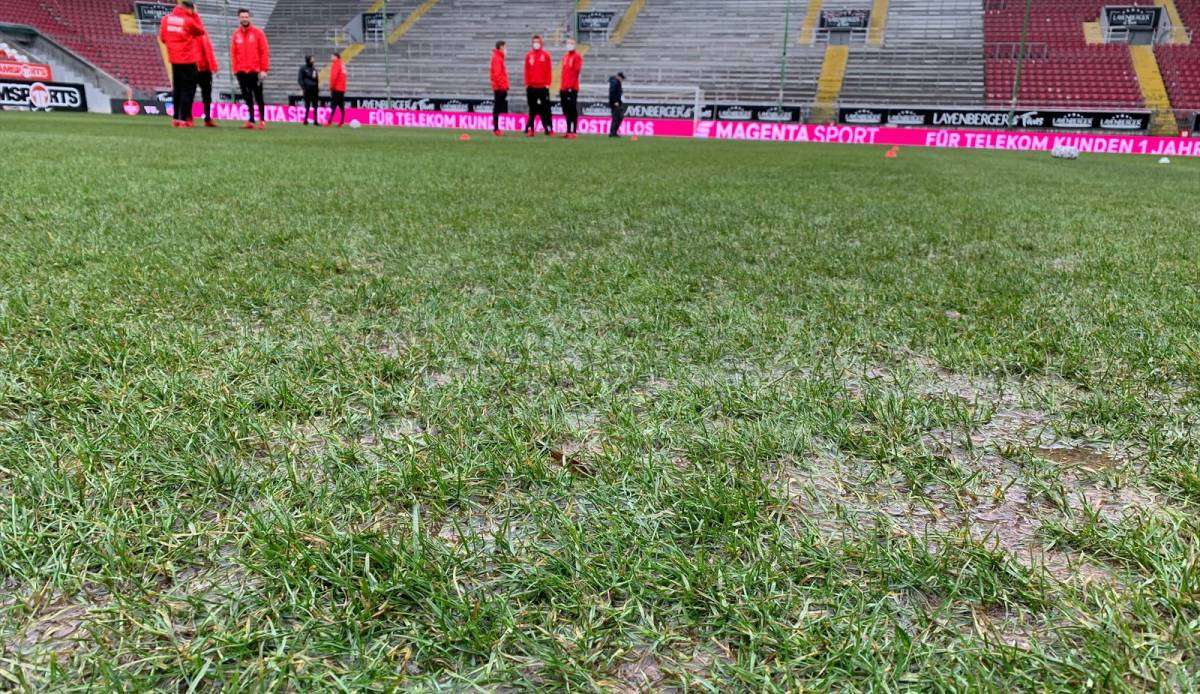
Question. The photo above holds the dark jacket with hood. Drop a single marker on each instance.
(616, 90)
(308, 78)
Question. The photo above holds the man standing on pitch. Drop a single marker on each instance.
(310, 86)
(337, 89)
(572, 65)
(538, 73)
(499, 74)
(616, 102)
(207, 67)
(250, 56)
(180, 32)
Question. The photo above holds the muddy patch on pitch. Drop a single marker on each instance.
(55, 623)
(639, 672)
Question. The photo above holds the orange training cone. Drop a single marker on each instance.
(891, 154)
(634, 138)
(465, 137)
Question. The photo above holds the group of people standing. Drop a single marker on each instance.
(193, 63)
(538, 77)
(310, 87)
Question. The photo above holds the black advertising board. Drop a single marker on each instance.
(845, 20)
(634, 109)
(151, 12)
(43, 96)
(1133, 16)
(594, 22)
(138, 107)
(445, 105)
(375, 21)
(1042, 119)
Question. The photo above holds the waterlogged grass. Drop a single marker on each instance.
(366, 409)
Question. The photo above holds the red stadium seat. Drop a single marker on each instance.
(92, 29)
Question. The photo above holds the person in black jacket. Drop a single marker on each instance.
(616, 102)
(310, 85)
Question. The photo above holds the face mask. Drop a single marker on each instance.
(570, 46)
(537, 46)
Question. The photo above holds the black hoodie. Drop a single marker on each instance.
(308, 77)
(616, 90)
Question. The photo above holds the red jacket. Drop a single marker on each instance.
(249, 50)
(572, 65)
(538, 69)
(179, 31)
(208, 59)
(337, 76)
(499, 72)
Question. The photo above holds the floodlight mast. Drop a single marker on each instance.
(787, 30)
(387, 56)
(1016, 90)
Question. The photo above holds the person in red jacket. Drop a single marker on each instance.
(206, 68)
(250, 58)
(337, 89)
(499, 86)
(180, 32)
(538, 69)
(572, 65)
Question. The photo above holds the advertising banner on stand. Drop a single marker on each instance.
(31, 72)
(594, 22)
(151, 12)
(937, 138)
(845, 20)
(1130, 121)
(1133, 16)
(43, 96)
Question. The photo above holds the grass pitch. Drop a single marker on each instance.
(338, 410)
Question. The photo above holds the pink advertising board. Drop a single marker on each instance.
(754, 131)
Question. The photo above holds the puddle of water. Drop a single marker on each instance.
(1080, 458)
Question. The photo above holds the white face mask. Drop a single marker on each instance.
(570, 46)
(537, 46)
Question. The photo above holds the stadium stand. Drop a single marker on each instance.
(220, 18)
(445, 50)
(8, 52)
(300, 27)
(931, 52)
(1062, 67)
(92, 29)
(1180, 62)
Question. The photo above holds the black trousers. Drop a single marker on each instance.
(539, 107)
(618, 115)
(311, 98)
(338, 101)
(184, 91)
(570, 105)
(252, 93)
(204, 79)
(499, 107)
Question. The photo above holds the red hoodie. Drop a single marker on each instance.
(337, 76)
(499, 72)
(178, 32)
(538, 69)
(572, 65)
(208, 59)
(249, 50)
